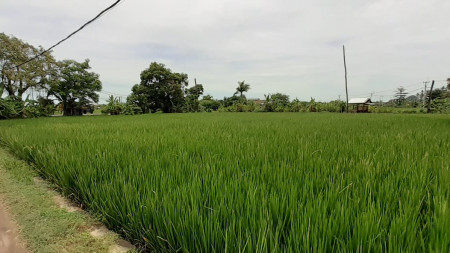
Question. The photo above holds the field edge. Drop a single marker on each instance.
(45, 226)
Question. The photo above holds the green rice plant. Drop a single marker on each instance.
(230, 182)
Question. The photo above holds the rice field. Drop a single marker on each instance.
(252, 182)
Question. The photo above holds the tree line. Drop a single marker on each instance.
(69, 82)
(162, 90)
(74, 87)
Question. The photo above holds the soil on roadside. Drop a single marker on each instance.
(9, 237)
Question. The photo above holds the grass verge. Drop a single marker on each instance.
(44, 225)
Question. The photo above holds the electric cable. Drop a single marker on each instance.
(70, 35)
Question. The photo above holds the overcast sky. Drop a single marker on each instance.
(287, 46)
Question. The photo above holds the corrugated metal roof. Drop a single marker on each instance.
(359, 101)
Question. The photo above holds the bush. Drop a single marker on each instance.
(441, 106)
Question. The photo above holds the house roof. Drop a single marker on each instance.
(360, 101)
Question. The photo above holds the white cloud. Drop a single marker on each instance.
(287, 46)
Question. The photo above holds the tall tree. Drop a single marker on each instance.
(159, 89)
(242, 87)
(400, 95)
(274, 101)
(75, 87)
(140, 97)
(192, 95)
(16, 80)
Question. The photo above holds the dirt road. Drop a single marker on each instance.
(9, 242)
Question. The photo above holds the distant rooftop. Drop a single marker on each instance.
(360, 101)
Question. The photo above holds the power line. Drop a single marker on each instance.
(385, 91)
(112, 93)
(70, 35)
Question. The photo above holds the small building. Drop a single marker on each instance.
(360, 104)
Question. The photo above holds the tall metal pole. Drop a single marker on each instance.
(346, 89)
(429, 97)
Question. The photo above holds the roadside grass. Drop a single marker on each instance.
(44, 226)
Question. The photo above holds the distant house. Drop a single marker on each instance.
(360, 104)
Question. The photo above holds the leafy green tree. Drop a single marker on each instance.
(276, 102)
(10, 108)
(113, 106)
(233, 100)
(15, 81)
(400, 95)
(140, 97)
(312, 105)
(208, 97)
(242, 87)
(438, 93)
(75, 86)
(209, 103)
(46, 106)
(280, 99)
(160, 89)
(192, 95)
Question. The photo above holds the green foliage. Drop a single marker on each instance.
(312, 105)
(441, 106)
(332, 106)
(192, 95)
(233, 100)
(113, 106)
(130, 109)
(10, 108)
(276, 102)
(45, 227)
(438, 93)
(285, 182)
(15, 81)
(242, 87)
(400, 96)
(13, 107)
(209, 104)
(159, 89)
(75, 87)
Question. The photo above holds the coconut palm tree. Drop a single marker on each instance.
(242, 87)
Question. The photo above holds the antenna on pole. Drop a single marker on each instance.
(346, 89)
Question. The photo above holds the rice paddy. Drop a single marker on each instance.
(252, 182)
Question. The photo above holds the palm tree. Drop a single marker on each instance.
(242, 87)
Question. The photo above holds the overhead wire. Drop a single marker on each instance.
(385, 91)
(70, 35)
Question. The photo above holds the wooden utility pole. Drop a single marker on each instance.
(346, 89)
(429, 97)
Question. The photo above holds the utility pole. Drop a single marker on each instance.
(346, 89)
(425, 93)
(429, 97)
(371, 94)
